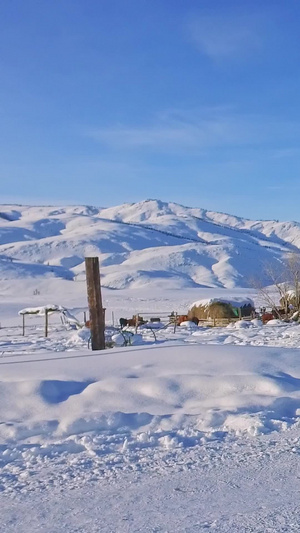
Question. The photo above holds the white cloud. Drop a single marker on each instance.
(187, 131)
(230, 35)
(173, 131)
(283, 153)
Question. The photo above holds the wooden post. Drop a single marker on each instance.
(46, 322)
(97, 318)
(136, 322)
(175, 322)
(84, 317)
(23, 325)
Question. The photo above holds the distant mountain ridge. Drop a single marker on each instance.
(150, 243)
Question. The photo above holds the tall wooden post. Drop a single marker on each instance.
(175, 322)
(23, 325)
(46, 322)
(136, 322)
(97, 319)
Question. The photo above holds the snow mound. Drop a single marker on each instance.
(242, 324)
(127, 338)
(93, 415)
(257, 322)
(188, 324)
(153, 390)
(275, 322)
(82, 336)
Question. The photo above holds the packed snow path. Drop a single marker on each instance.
(239, 486)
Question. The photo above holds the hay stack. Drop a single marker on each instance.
(213, 309)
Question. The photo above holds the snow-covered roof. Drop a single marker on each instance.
(50, 308)
(235, 301)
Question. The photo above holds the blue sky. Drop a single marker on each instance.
(111, 101)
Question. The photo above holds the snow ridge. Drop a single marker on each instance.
(150, 243)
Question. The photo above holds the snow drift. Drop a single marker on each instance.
(180, 391)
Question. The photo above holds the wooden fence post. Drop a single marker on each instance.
(23, 325)
(46, 322)
(96, 311)
(175, 322)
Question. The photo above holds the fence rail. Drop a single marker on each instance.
(219, 322)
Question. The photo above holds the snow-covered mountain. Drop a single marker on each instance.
(150, 243)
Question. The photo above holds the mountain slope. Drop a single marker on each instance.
(143, 244)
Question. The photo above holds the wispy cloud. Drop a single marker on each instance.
(227, 35)
(172, 131)
(186, 131)
(283, 153)
(276, 188)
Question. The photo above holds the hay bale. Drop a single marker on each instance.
(220, 308)
(213, 310)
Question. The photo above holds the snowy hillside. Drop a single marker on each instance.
(146, 244)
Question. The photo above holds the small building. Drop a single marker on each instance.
(219, 308)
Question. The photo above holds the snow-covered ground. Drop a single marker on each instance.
(197, 431)
(191, 430)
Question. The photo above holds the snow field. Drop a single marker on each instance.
(124, 408)
(198, 431)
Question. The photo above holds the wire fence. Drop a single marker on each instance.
(13, 343)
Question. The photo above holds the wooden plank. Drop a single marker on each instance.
(97, 318)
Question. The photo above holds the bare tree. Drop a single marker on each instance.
(282, 291)
(293, 277)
